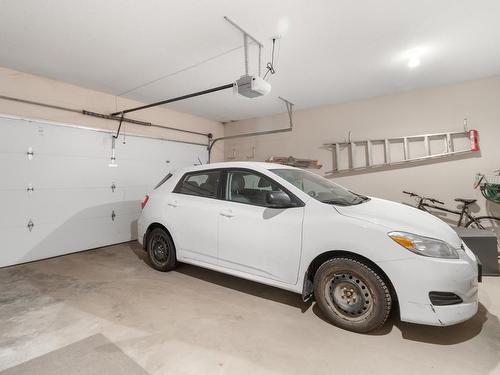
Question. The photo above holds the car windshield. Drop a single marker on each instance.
(320, 188)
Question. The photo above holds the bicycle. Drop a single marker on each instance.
(489, 185)
(479, 222)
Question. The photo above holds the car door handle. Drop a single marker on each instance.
(227, 213)
(173, 204)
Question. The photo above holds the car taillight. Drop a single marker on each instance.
(144, 202)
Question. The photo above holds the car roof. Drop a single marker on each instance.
(237, 164)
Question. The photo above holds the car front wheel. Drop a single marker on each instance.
(352, 295)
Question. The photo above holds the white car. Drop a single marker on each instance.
(292, 229)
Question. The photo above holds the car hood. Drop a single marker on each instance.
(400, 217)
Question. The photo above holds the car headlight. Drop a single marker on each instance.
(426, 246)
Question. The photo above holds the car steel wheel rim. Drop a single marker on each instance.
(349, 296)
(160, 249)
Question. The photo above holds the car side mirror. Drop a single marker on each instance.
(278, 199)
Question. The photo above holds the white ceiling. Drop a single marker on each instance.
(331, 50)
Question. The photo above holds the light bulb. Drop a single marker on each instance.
(413, 62)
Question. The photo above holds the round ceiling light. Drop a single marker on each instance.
(413, 56)
(413, 62)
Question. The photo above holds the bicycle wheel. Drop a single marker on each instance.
(486, 222)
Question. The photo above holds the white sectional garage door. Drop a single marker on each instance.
(65, 197)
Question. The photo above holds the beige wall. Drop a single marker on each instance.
(34, 88)
(434, 110)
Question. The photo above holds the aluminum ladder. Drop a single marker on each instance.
(404, 155)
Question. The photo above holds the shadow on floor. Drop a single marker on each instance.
(415, 332)
(449, 335)
(245, 286)
(235, 283)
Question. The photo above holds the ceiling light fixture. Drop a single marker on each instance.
(413, 57)
(113, 163)
(413, 62)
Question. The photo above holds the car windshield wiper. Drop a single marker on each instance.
(358, 199)
(340, 202)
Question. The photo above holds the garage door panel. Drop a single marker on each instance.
(43, 138)
(141, 171)
(16, 135)
(135, 193)
(73, 206)
(48, 205)
(138, 173)
(59, 238)
(65, 141)
(125, 226)
(134, 149)
(71, 172)
(51, 204)
(56, 238)
(171, 155)
(15, 242)
(132, 207)
(16, 171)
(15, 204)
(189, 153)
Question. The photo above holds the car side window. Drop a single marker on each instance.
(248, 187)
(202, 184)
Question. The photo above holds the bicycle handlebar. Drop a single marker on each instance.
(410, 194)
(422, 198)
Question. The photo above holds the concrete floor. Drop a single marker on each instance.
(195, 321)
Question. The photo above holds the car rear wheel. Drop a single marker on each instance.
(161, 250)
(352, 295)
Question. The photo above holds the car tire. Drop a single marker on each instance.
(161, 250)
(352, 295)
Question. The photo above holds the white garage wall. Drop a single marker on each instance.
(73, 205)
(433, 110)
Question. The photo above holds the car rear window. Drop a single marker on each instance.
(202, 184)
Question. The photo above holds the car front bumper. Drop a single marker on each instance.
(413, 280)
(438, 315)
